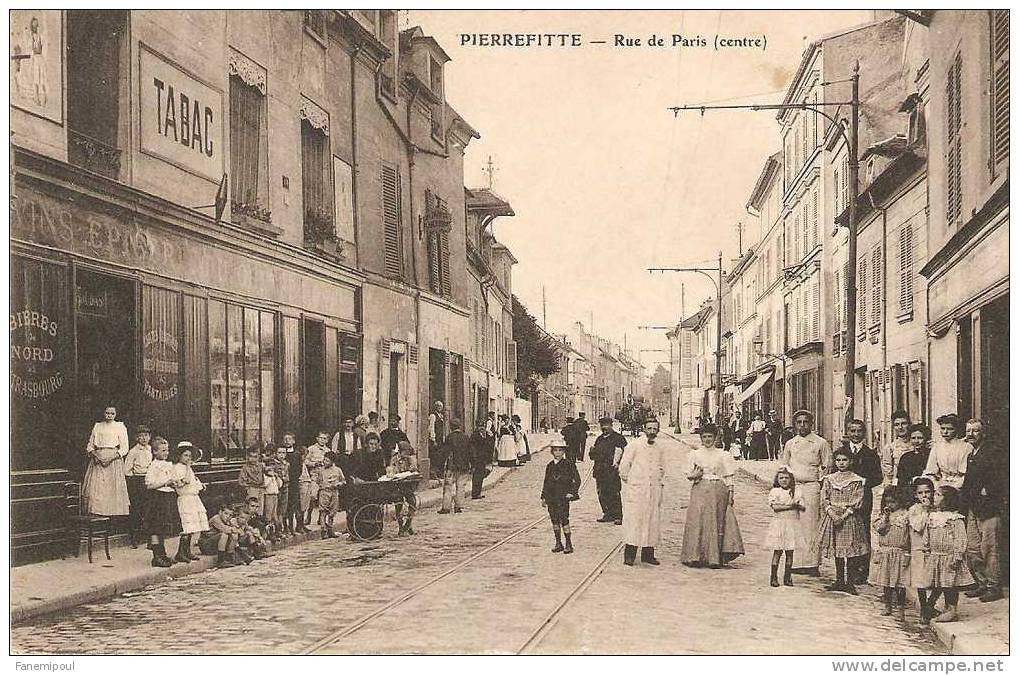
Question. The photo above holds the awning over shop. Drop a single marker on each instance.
(753, 388)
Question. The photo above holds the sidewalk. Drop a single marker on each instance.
(57, 585)
(984, 626)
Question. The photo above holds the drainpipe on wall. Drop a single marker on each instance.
(353, 151)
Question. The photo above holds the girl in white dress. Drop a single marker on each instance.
(193, 518)
(104, 489)
(784, 531)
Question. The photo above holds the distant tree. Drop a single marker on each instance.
(537, 356)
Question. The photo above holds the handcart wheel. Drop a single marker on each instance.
(367, 522)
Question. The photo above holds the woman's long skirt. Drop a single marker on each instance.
(759, 446)
(104, 489)
(711, 535)
(507, 451)
(810, 494)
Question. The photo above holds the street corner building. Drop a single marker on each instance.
(236, 224)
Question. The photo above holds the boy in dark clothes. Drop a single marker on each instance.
(561, 486)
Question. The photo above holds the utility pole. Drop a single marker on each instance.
(852, 150)
(491, 172)
(739, 231)
(544, 316)
(682, 302)
(708, 272)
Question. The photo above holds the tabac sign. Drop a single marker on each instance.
(181, 117)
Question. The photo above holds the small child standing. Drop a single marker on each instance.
(328, 478)
(190, 509)
(783, 531)
(889, 562)
(303, 482)
(404, 461)
(283, 474)
(561, 486)
(919, 542)
(270, 501)
(840, 530)
(162, 519)
(252, 476)
(946, 564)
(136, 465)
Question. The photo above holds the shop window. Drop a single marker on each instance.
(314, 376)
(291, 375)
(248, 157)
(41, 378)
(161, 361)
(239, 360)
(195, 421)
(94, 80)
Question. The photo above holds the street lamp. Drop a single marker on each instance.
(852, 142)
(707, 271)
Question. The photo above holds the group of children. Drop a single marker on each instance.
(280, 485)
(919, 537)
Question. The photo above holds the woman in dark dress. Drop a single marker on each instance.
(913, 461)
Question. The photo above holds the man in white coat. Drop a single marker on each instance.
(642, 470)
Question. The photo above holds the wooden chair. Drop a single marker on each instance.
(83, 526)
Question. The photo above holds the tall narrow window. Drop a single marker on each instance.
(806, 227)
(392, 220)
(438, 263)
(953, 144)
(999, 90)
(815, 227)
(906, 269)
(316, 187)
(94, 43)
(248, 173)
(837, 299)
(815, 309)
(836, 202)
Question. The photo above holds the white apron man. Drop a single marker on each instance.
(642, 470)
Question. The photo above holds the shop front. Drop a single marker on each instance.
(200, 331)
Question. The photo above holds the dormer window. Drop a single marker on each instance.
(435, 76)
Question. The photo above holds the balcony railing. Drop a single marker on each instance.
(93, 155)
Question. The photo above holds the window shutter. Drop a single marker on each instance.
(806, 227)
(835, 201)
(815, 317)
(799, 317)
(797, 254)
(999, 89)
(815, 234)
(391, 220)
(953, 159)
(844, 297)
(511, 361)
(837, 299)
(444, 280)
(876, 280)
(434, 256)
(861, 295)
(906, 269)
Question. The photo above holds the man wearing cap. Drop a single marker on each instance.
(582, 428)
(436, 436)
(572, 438)
(949, 457)
(808, 457)
(606, 454)
(136, 464)
(391, 437)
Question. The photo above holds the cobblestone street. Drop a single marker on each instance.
(303, 595)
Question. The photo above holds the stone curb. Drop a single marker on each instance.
(138, 581)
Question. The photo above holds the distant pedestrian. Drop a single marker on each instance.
(193, 518)
(162, 518)
(104, 487)
(136, 465)
(481, 452)
(774, 431)
(889, 566)
(606, 454)
(711, 535)
(583, 427)
(391, 436)
(642, 470)
(560, 487)
(783, 531)
(456, 469)
(507, 446)
(571, 436)
(436, 435)
(840, 529)
(757, 437)
(946, 563)
(520, 438)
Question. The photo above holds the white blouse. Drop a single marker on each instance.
(159, 475)
(192, 485)
(109, 435)
(715, 463)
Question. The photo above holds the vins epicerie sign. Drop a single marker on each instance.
(181, 117)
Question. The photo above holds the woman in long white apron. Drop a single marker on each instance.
(506, 448)
(104, 488)
(642, 471)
